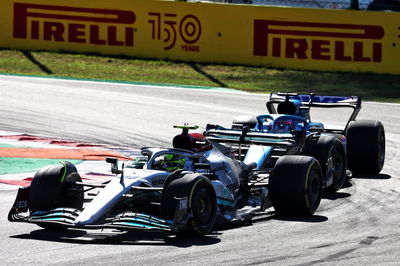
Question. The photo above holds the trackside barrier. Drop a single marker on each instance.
(299, 38)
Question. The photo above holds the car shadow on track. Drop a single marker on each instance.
(378, 177)
(331, 196)
(113, 237)
(306, 219)
(336, 195)
(271, 215)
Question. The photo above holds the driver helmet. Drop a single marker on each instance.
(284, 126)
(171, 162)
(293, 107)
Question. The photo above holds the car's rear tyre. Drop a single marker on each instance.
(295, 185)
(202, 201)
(330, 153)
(365, 147)
(244, 121)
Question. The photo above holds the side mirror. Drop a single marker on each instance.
(111, 160)
(114, 165)
(245, 130)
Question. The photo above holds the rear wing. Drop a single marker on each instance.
(314, 100)
(220, 134)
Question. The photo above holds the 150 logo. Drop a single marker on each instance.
(72, 24)
(168, 27)
(329, 41)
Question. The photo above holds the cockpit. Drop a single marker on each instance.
(280, 123)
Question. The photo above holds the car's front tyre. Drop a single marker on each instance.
(295, 185)
(202, 201)
(54, 187)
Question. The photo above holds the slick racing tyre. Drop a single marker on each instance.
(365, 147)
(244, 120)
(53, 187)
(202, 201)
(330, 153)
(295, 185)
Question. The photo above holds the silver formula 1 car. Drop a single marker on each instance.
(189, 187)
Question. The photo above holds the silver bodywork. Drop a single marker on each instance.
(100, 211)
(227, 170)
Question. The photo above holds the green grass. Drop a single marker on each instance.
(376, 87)
(21, 165)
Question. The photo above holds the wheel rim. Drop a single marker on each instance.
(337, 166)
(330, 170)
(203, 207)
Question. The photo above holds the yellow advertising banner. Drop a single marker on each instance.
(332, 40)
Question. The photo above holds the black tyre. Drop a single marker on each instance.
(244, 120)
(53, 187)
(330, 153)
(365, 147)
(202, 201)
(295, 185)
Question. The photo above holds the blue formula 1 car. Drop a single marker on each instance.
(289, 130)
(189, 187)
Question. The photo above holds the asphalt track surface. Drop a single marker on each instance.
(359, 225)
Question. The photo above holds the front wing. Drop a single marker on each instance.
(66, 217)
